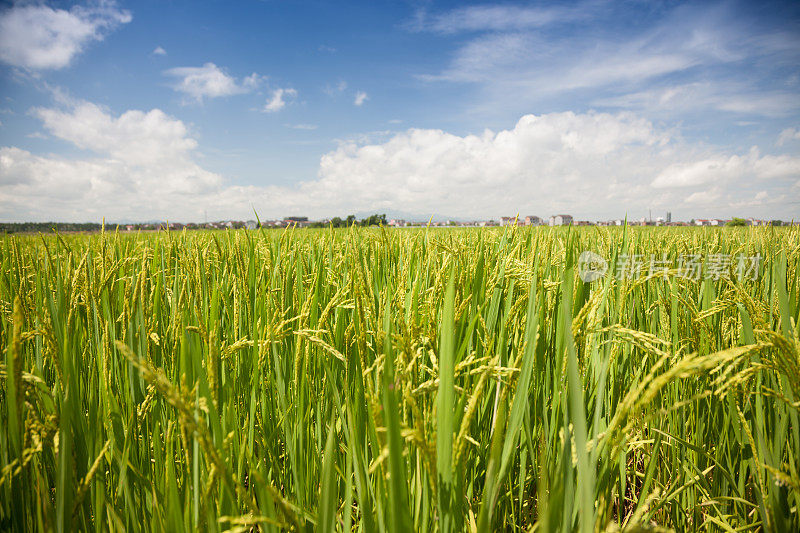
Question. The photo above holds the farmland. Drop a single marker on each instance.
(376, 380)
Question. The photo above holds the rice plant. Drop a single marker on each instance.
(375, 380)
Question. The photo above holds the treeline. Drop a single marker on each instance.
(336, 222)
(737, 222)
(47, 227)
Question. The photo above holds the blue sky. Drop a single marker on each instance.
(170, 110)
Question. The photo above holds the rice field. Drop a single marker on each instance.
(422, 380)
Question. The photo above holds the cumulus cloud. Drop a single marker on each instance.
(278, 99)
(135, 137)
(159, 51)
(210, 81)
(136, 165)
(593, 164)
(723, 170)
(360, 98)
(37, 37)
(143, 165)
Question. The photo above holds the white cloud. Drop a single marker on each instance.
(36, 37)
(767, 103)
(722, 170)
(360, 98)
(139, 163)
(335, 89)
(788, 135)
(774, 166)
(704, 198)
(252, 81)
(699, 96)
(694, 57)
(278, 99)
(552, 156)
(594, 164)
(135, 137)
(527, 61)
(159, 51)
(496, 18)
(143, 165)
(210, 81)
(302, 126)
(699, 172)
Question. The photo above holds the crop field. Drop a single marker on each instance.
(418, 380)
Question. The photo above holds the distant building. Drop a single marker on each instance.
(561, 220)
(508, 221)
(532, 220)
(709, 222)
(251, 224)
(296, 221)
(669, 217)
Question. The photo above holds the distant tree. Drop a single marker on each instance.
(776, 223)
(736, 222)
(49, 227)
(374, 220)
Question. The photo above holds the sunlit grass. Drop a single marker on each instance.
(378, 380)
